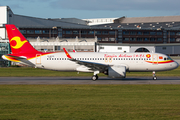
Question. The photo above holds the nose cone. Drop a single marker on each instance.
(175, 65)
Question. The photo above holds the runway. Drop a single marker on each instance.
(86, 80)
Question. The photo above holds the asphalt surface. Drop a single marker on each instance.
(86, 80)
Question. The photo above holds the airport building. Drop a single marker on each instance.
(120, 34)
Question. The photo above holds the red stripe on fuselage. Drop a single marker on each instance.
(160, 62)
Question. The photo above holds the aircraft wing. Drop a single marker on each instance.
(18, 59)
(91, 65)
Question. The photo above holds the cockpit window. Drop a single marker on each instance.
(167, 58)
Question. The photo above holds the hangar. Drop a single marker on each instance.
(44, 32)
(169, 49)
(157, 34)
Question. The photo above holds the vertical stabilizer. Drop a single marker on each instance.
(18, 42)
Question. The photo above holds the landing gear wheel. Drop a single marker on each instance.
(94, 77)
(154, 78)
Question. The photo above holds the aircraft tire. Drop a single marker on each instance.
(94, 77)
(155, 78)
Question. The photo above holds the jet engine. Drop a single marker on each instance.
(116, 72)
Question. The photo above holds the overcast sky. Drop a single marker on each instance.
(84, 9)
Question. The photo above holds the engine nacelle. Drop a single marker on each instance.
(117, 72)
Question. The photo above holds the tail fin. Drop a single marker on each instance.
(17, 41)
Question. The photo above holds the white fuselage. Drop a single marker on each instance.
(132, 61)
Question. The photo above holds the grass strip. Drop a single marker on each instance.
(89, 102)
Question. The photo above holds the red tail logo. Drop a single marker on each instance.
(18, 42)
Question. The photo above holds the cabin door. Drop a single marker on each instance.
(155, 59)
(38, 59)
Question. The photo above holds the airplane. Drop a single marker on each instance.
(113, 64)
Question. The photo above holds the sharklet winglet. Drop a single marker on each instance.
(67, 54)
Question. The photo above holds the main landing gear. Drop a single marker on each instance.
(95, 76)
(154, 75)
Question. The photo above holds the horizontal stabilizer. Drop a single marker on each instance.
(18, 59)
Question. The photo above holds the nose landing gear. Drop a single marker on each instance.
(154, 75)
